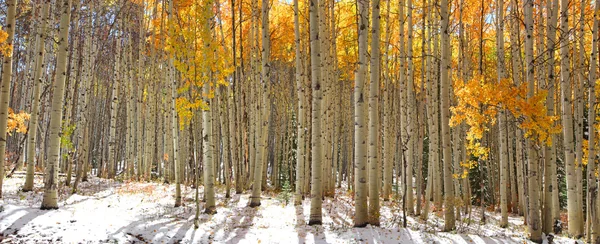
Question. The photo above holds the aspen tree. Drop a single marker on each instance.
(6, 80)
(578, 94)
(300, 121)
(50, 199)
(112, 163)
(388, 168)
(360, 158)
(208, 148)
(593, 234)
(516, 75)
(550, 180)
(173, 114)
(445, 116)
(502, 117)
(575, 222)
(534, 208)
(422, 107)
(411, 112)
(138, 94)
(85, 111)
(373, 160)
(316, 147)
(261, 158)
(40, 52)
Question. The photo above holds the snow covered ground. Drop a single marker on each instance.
(108, 211)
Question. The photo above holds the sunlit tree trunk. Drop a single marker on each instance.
(265, 107)
(445, 116)
(593, 234)
(316, 147)
(550, 181)
(360, 146)
(6, 80)
(373, 160)
(173, 116)
(516, 75)
(411, 112)
(502, 117)
(578, 96)
(50, 200)
(300, 152)
(40, 43)
(575, 221)
(112, 163)
(208, 148)
(533, 184)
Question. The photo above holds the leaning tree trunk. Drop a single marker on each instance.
(50, 200)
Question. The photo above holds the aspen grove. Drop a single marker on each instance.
(424, 115)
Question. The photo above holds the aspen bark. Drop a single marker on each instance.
(445, 116)
(372, 155)
(411, 112)
(50, 199)
(593, 235)
(502, 118)
(550, 180)
(533, 184)
(300, 152)
(575, 221)
(35, 103)
(7, 69)
(360, 146)
(316, 147)
(208, 148)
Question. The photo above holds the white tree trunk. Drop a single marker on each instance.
(50, 200)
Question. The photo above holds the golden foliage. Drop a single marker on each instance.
(479, 103)
(16, 122)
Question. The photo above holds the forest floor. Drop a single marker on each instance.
(131, 212)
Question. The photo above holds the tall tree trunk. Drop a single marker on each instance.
(265, 107)
(592, 193)
(111, 166)
(533, 184)
(316, 147)
(411, 112)
(502, 117)
(373, 160)
(208, 148)
(300, 152)
(575, 222)
(550, 181)
(360, 146)
(50, 200)
(37, 81)
(445, 116)
(6, 80)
